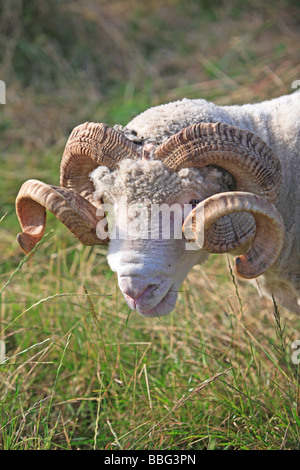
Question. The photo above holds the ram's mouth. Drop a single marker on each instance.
(164, 306)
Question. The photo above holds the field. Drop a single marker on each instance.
(78, 369)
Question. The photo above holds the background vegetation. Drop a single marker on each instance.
(80, 370)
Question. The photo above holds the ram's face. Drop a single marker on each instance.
(151, 271)
(146, 206)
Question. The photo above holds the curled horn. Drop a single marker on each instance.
(269, 236)
(75, 212)
(88, 146)
(244, 155)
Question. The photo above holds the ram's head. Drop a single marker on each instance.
(209, 188)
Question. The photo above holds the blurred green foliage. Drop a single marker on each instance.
(48, 44)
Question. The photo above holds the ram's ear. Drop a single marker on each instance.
(103, 178)
(101, 172)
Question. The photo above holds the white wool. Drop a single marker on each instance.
(150, 182)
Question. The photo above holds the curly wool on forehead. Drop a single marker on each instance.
(146, 181)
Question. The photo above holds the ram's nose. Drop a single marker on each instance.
(133, 289)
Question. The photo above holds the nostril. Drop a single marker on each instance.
(134, 289)
(135, 294)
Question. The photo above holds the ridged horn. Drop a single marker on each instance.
(268, 240)
(246, 156)
(75, 212)
(90, 145)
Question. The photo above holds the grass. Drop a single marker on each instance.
(78, 369)
(81, 371)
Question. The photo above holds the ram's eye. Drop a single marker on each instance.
(194, 202)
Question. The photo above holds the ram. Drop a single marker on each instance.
(233, 168)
